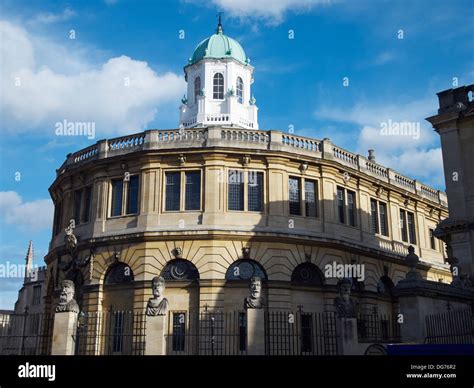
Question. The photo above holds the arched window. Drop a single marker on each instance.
(119, 273)
(307, 274)
(240, 90)
(181, 270)
(244, 269)
(197, 88)
(218, 86)
(385, 285)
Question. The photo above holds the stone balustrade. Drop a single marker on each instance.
(221, 136)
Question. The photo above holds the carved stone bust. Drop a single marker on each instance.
(67, 303)
(157, 305)
(346, 307)
(255, 300)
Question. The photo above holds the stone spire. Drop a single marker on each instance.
(29, 259)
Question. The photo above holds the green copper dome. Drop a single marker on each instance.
(219, 46)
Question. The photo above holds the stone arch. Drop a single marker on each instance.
(118, 287)
(244, 269)
(307, 274)
(180, 270)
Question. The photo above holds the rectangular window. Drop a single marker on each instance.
(411, 227)
(255, 191)
(294, 196)
(341, 204)
(179, 331)
(351, 208)
(306, 333)
(87, 204)
(117, 197)
(57, 218)
(383, 219)
(432, 239)
(374, 216)
(132, 195)
(173, 190)
(236, 190)
(193, 190)
(77, 206)
(310, 198)
(36, 295)
(242, 332)
(403, 225)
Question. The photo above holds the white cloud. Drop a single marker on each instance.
(31, 216)
(272, 11)
(412, 155)
(383, 58)
(79, 90)
(50, 17)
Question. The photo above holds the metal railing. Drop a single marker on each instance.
(111, 333)
(378, 328)
(300, 333)
(209, 333)
(26, 333)
(452, 327)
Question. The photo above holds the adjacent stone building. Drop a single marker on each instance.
(455, 125)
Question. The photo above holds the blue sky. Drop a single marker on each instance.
(298, 82)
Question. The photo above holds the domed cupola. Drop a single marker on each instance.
(219, 78)
(219, 46)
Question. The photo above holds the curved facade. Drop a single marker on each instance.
(193, 205)
(217, 201)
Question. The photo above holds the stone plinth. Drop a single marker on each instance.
(155, 335)
(348, 342)
(256, 332)
(64, 334)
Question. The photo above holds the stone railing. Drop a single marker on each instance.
(301, 142)
(222, 136)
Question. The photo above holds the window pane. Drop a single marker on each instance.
(236, 190)
(179, 331)
(197, 88)
(57, 218)
(173, 189)
(36, 295)
(132, 195)
(310, 195)
(117, 195)
(432, 239)
(218, 87)
(294, 196)
(255, 191)
(306, 333)
(341, 205)
(351, 206)
(403, 225)
(193, 190)
(411, 228)
(240, 90)
(383, 219)
(77, 206)
(374, 218)
(87, 204)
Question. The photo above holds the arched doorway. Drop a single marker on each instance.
(118, 288)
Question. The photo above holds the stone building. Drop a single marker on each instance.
(31, 295)
(455, 125)
(217, 201)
